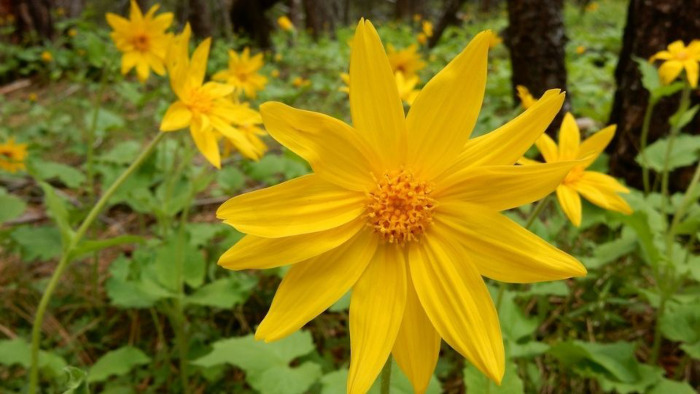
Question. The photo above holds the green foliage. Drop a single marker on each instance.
(117, 362)
(12, 206)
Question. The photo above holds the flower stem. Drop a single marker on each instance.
(682, 108)
(386, 377)
(66, 258)
(643, 144)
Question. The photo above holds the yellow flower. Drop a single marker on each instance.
(142, 40)
(417, 17)
(422, 38)
(407, 217)
(72, 33)
(428, 28)
(592, 6)
(526, 99)
(300, 82)
(284, 23)
(495, 40)
(32, 97)
(275, 73)
(248, 124)
(406, 87)
(677, 58)
(580, 49)
(598, 188)
(12, 156)
(203, 107)
(60, 11)
(242, 72)
(407, 60)
(46, 57)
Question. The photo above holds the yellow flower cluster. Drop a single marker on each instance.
(677, 58)
(12, 156)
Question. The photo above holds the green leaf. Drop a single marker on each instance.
(89, 246)
(667, 386)
(519, 326)
(57, 210)
(650, 75)
(224, 293)
(611, 251)
(682, 323)
(650, 375)
(267, 364)
(45, 170)
(18, 352)
(12, 206)
(122, 153)
(106, 120)
(557, 288)
(231, 180)
(478, 383)
(200, 234)
(117, 362)
(684, 152)
(679, 120)
(37, 243)
(614, 361)
(336, 383)
(75, 381)
(173, 252)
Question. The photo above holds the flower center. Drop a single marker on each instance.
(140, 42)
(199, 101)
(400, 208)
(574, 175)
(682, 55)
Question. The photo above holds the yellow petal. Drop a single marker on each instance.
(601, 190)
(178, 116)
(508, 143)
(253, 252)
(214, 89)
(142, 69)
(129, 61)
(676, 47)
(444, 113)
(198, 65)
(670, 70)
(569, 138)
(663, 55)
(457, 302)
(548, 148)
(156, 64)
(300, 206)
(417, 345)
(335, 151)
(594, 145)
(376, 309)
(503, 250)
(311, 286)
(117, 22)
(691, 70)
(377, 112)
(135, 12)
(205, 140)
(503, 187)
(570, 203)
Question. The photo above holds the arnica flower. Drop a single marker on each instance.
(284, 23)
(428, 28)
(422, 38)
(598, 188)
(142, 40)
(677, 58)
(526, 99)
(203, 107)
(242, 72)
(407, 60)
(345, 77)
(72, 32)
(592, 6)
(407, 217)
(580, 50)
(12, 156)
(300, 82)
(247, 123)
(46, 57)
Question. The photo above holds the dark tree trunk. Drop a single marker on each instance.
(321, 15)
(200, 18)
(448, 18)
(651, 26)
(248, 17)
(405, 9)
(535, 37)
(34, 16)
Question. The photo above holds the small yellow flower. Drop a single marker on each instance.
(300, 82)
(406, 87)
(422, 38)
(242, 72)
(526, 99)
(60, 11)
(203, 107)
(142, 40)
(10, 19)
(592, 6)
(417, 17)
(677, 58)
(81, 52)
(12, 156)
(32, 97)
(72, 33)
(284, 23)
(495, 40)
(248, 124)
(428, 28)
(580, 50)
(46, 57)
(275, 73)
(408, 214)
(278, 57)
(407, 60)
(598, 188)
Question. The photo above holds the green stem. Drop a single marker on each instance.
(66, 258)
(643, 144)
(386, 377)
(682, 108)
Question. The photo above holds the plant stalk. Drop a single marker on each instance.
(386, 377)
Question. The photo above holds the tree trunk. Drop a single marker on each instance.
(248, 17)
(535, 37)
(321, 15)
(405, 9)
(651, 26)
(34, 16)
(448, 18)
(200, 17)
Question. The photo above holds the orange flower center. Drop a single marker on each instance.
(574, 175)
(199, 101)
(400, 208)
(682, 55)
(141, 42)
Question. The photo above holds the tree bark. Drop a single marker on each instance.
(651, 26)
(448, 18)
(536, 38)
(248, 17)
(405, 9)
(35, 16)
(321, 15)
(200, 17)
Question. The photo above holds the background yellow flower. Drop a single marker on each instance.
(12, 156)
(242, 72)
(677, 58)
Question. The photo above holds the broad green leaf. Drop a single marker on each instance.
(684, 152)
(682, 323)
(89, 246)
(37, 243)
(122, 153)
(649, 375)
(117, 362)
(666, 386)
(679, 120)
(336, 383)
(519, 326)
(478, 383)
(106, 120)
(611, 251)
(200, 234)
(231, 180)
(56, 208)
(650, 75)
(18, 352)
(266, 364)
(224, 293)
(75, 381)
(45, 170)
(555, 288)
(614, 361)
(342, 304)
(12, 206)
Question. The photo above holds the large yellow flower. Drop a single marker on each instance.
(12, 156)
(677, 58)
(407, 60)
(242, 72)
(403, 210)
(203, 107)
(596, 187)
(142, 40)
